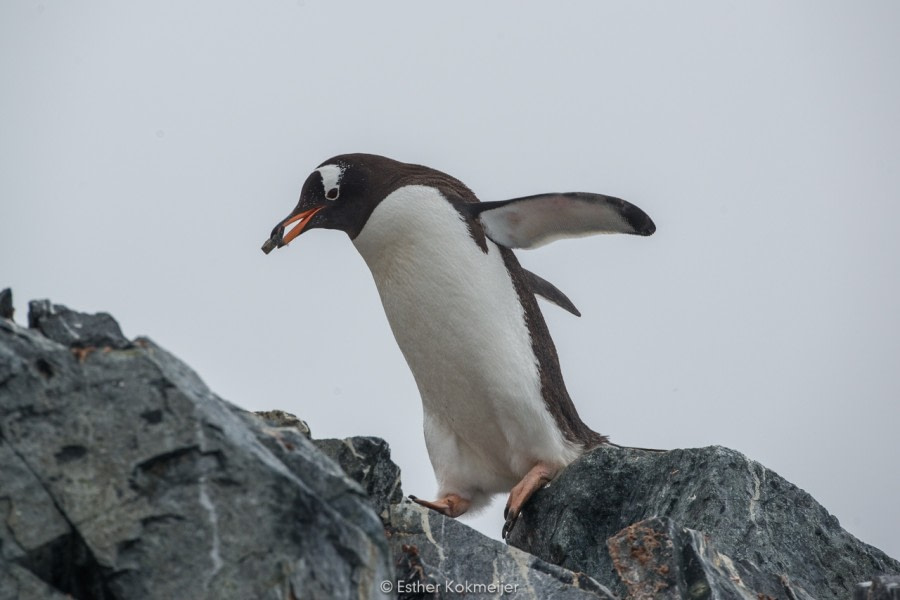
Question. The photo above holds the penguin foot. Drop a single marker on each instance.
(539, 476)
(451, 505)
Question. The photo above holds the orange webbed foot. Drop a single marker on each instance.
(539, 476)
(452, 505)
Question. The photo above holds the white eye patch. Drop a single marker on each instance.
(331, 180)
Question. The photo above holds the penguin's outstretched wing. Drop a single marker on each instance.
(533, 221)
(548, 291)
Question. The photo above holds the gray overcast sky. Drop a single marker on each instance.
(147, 149)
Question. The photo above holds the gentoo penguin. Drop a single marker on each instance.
(497, 414)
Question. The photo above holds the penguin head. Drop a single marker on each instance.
(336, 195)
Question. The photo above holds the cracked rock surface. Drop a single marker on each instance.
(123, 476)
(731, 506)
(439, 557)
(367, 460)
(434, 552)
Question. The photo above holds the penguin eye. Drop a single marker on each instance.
(333, 193)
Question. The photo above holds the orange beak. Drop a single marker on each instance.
(279, 238)
(303, 219)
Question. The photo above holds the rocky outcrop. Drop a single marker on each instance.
(657, 558)
(439, 557)
(769, 533)
(123, 476)
(6, 304)
(885, 587)
(367, 460)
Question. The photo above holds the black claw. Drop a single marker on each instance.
(508, 526)
(413, 498)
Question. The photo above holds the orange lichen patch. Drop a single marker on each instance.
(642, 557)
(644, 543)
(81, 354)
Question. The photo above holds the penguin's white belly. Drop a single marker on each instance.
(459, 322)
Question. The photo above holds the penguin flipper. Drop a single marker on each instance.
(548, 291)
(533, 221)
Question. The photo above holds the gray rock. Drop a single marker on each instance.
(657, 558)
(34, 523)
(75, 329)
(279, 418)
(6, 304)
(367, 460)
(439, 557)
(18, 583)
(885, 587)
(753, 515)
(123, 476)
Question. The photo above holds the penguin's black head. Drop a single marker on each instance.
(337, 195)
